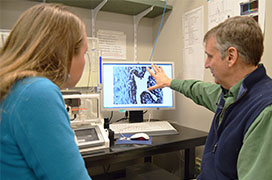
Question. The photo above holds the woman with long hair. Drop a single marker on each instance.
(43, 54)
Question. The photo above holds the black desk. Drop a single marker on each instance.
(187, 139)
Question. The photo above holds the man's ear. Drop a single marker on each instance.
(232, 56)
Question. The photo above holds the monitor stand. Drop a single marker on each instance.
(136, 116)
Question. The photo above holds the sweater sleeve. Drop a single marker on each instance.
(42, 130)
(255, 154)
(202, 93)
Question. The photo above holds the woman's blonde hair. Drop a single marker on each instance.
(42, 43)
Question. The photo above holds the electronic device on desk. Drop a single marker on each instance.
(86, 121)
(89, 137)
(125, 88)
(152, 128)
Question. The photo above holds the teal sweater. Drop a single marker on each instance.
(37, 141)
(255, 153)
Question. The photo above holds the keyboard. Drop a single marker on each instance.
(152, 128)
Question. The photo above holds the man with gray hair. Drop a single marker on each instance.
(239, 141)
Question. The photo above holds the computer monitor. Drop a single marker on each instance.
(125, 86)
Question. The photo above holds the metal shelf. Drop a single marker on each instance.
(129, 7)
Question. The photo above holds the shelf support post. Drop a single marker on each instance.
(94, 13)
(136, 20)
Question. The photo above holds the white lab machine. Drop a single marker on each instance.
(86, 121)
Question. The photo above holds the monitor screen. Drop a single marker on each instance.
(125, 86)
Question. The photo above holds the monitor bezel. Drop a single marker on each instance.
(136, 108)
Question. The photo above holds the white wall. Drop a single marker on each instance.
(170, 47)
(266, 59)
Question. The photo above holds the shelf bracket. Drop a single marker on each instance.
(136, 20)
(94, 13)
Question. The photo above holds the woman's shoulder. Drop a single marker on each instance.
(34, 92)
(37, 82)
(35, 87)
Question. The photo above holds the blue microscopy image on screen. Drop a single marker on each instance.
(130, 86)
